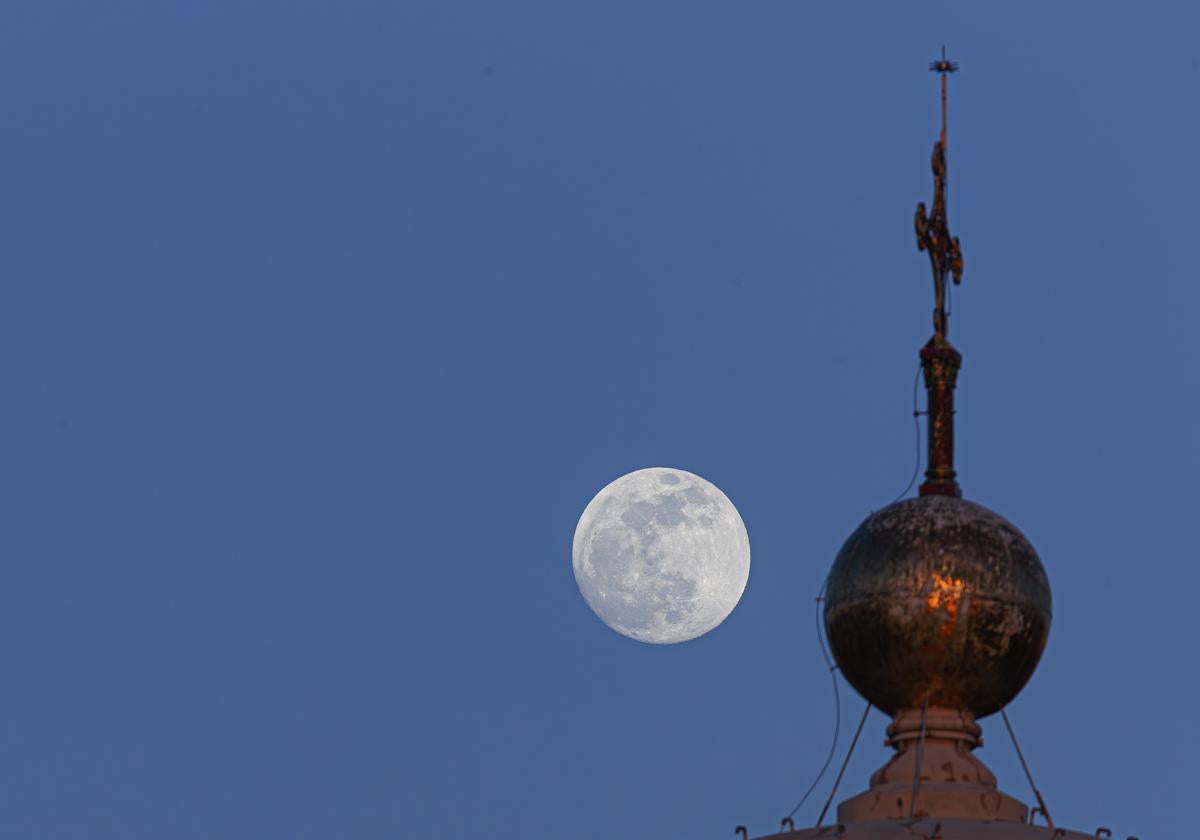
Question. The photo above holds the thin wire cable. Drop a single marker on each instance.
(917, 424)
(916, 785)
(1025, 767)
(837, 706)
(845, 762)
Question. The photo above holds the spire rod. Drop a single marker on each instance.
(943, 67)
(939, 360)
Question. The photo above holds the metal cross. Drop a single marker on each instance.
(933, 229)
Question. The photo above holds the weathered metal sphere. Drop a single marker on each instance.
(937, 597)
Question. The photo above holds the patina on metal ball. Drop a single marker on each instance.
(937, 599)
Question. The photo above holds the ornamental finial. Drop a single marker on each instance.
(939, 360)
(933, 229)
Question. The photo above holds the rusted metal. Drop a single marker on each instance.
(939, 360)
(940, 363)
(741, 829)
(937, 596)
(788, 823)
(1103, 832)
(933, 237)
(933, 229)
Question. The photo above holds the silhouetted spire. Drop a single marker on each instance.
(939, 360)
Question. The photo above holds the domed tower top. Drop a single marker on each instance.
(937, 602)
(937, 610)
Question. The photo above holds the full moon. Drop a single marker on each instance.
(661, 555)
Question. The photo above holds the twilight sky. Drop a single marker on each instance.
(323, 321)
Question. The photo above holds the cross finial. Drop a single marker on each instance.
(933, 229)
(939, 360)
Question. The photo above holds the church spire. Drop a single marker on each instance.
(939, 360)
(937, 611)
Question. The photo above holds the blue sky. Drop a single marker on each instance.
(322, 323)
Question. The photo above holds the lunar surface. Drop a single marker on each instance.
(661, 555)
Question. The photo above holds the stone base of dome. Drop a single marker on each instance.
(933, 774)
(934, 799)
(934, 828)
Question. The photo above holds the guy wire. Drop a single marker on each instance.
(837, 706)
(837, 702)
(917, 424)
(916, 785)
(845, 762)
(1025, 767)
